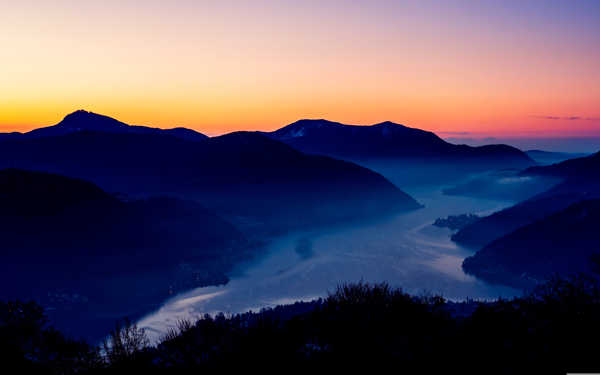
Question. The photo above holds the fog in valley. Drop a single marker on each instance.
(404, 250)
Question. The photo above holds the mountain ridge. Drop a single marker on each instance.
(384, 140)
(82, 120)
(241, 173)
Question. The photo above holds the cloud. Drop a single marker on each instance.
(568, 118)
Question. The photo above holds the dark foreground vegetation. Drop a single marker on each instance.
(553, 329)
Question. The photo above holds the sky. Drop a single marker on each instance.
(527, 68)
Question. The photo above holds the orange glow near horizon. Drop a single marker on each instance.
(484, 68)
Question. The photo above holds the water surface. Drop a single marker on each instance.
(404, 250)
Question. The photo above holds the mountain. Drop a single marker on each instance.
(584, 168)
(409, 157)
(239, 174)
(388, 140)
(578, 180)
(88, 121)
(503, 222)
(62, 215)
(549, 157)
(85, 254)
(563, 243)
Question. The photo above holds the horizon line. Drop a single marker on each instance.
(454, 134)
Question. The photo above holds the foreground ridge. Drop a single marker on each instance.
(370, 326)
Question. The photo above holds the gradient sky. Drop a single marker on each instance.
(483, 67)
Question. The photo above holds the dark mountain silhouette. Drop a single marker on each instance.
(12, 135)
(66, 215)
(407, 156)
(236, 174)
(85, 253)
(562, 243)
(88, 121)
(503, 222)
(580, 181)
(388, 140)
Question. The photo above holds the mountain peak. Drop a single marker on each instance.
(79, 112)
(301, 127)
(388, 124)
(314, 122)
(84, 120)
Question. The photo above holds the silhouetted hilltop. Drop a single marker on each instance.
(66, 237)
(562, 243)
(238, 174)
(581, 181)
(388, 140)
(88, 121)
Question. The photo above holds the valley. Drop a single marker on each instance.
(405, 250)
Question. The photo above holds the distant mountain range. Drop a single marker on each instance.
(238, 174)
(80, 121)
(85, 254)
(388, 140)
(409, 157)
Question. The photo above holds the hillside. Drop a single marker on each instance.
(580, 181)
(587, 168)
(563, 243)
(74, 248)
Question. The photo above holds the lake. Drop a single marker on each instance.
(404, 250)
